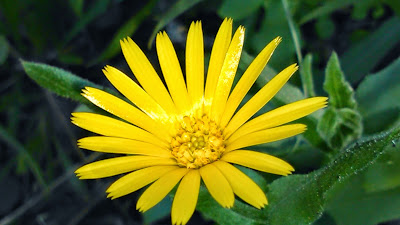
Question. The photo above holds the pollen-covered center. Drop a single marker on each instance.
(197, 143)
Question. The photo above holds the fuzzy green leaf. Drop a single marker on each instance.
(57, 80)
(301, 199)
(340, 92)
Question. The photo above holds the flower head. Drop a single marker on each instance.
(188, 130)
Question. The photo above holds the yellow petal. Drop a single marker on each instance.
(265, 136)
(217, 185)
(136, 95)
(259, 161)
(259, 100)
(185, 199)
(281, 115)
(195, 64)
(247, 80)
(122, 146)
(108, 126)
(119, 165)
(172, 72)
(218, 53)
(227, 75)
(136, 180)
(124, 110)
(146, 75)
(242, 185)
(159, 189)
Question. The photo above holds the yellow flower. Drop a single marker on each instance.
(189, 131)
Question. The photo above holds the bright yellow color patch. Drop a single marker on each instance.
(187, 131)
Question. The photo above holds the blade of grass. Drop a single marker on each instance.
(178, 8)
(36, 199)
(33, 165)
(306, 78)
(126, 30)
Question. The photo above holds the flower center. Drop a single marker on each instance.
(198, 142)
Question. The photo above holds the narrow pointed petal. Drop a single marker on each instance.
(136, 180)
(217, 185)
(119, 165)
(185, 199)
(146, 75)
(218, 53)
(125, 111)
(172, 72)
(265, 136)
(108, 126)
(227, 75)
(195, 64)
(242, 185)
(159, 189)
(259, 161)
(259, 100)
(136, 95)
(122, 146)
(281, 115)
(247, 80)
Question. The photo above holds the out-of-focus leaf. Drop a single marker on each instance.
(238, 9)
(28, 159)
(341, 123)
(360, 59)
(325, 9)
(70, 59)
(394, 4)
(353, 205)
(77, 6)
(324, 27)
(380, 91)
(126, 30)
(301, 199)
(385, 173)
(178, 8)
(159, 211)
(57, 80)
(3, 49)
(361, 9)
(95, 10)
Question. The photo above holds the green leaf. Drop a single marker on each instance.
(178, 8)
(3, 49)
(385, 173)
(359, 60)
(57, 80)
(326, 9)
(77, 6)
(238, 9)
(380, 91)
(126, 30)
(340, 126)
(340, 92)
(353, 205)
(96, 9)
(301, 199)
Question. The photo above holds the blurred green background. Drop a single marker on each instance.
(38, 151)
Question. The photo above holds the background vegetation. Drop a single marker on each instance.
(347, 163)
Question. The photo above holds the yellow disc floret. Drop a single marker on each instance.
(197, 143)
